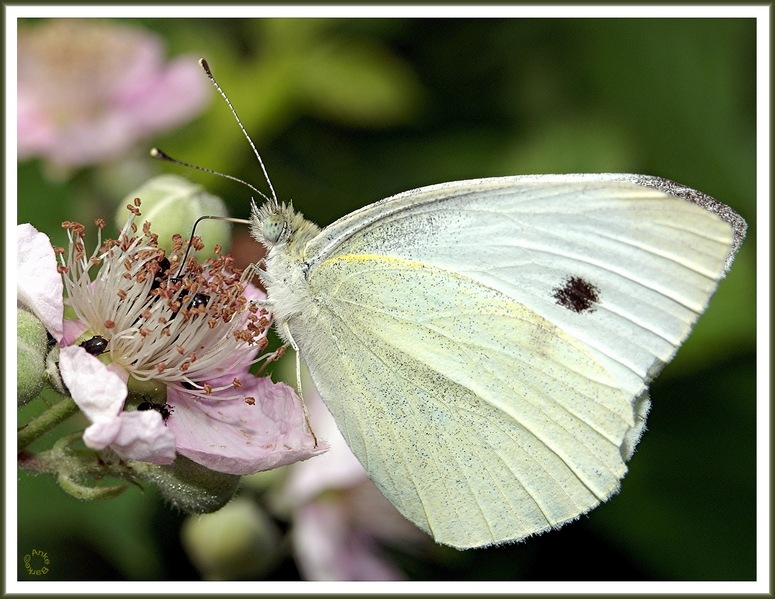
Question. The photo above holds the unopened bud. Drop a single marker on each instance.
(237, 542)
(31, 356)
(172, 204)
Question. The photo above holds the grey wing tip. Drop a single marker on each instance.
(727, 214)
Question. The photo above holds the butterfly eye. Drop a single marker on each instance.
(273, 227)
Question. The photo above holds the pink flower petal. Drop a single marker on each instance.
(236, 438)
(163, 98)
(35, 134)
(38, 285)
(72, 329)
(143, 436)
(98, 391)
(101, 139)
(328, 547)
(90, 90)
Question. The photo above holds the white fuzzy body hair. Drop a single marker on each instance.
(284, 274)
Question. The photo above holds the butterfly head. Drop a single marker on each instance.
(278, 224)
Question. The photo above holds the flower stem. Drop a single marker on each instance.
(37, 427)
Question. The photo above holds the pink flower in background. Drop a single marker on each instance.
(88, 90)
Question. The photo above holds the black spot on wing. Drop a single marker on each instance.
(577, 295)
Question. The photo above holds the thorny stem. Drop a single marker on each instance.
(37, 427)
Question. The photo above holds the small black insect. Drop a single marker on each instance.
(164, 409)
(161, 274)
(96, 345)
(200, 299)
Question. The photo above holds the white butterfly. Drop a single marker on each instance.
(485, 346)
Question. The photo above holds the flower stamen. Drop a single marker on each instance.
(176, 329)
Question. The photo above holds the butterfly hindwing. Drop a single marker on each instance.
(492, 425)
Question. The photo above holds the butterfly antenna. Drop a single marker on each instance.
(206, 68)
(229, 219)
(159, 155)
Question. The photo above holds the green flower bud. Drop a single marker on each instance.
(31, 356)
(238, 542)
(172, 204)
(188, 486)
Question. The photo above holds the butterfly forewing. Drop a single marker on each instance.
(653, 260)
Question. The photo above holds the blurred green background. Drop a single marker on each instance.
(346, 112)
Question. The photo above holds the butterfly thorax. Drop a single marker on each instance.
(285, 233)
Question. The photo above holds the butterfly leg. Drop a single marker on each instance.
(272, 357)
(264, 303)
(295, 347)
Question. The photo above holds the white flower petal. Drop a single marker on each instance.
(101, 434)
(38, 284)
(143, 436)
(98, 391)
